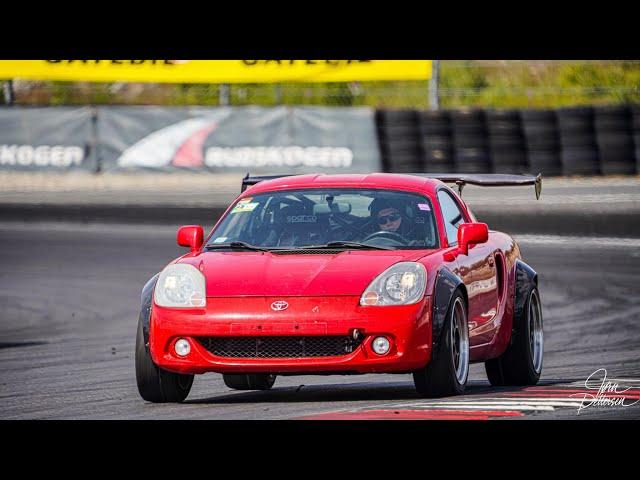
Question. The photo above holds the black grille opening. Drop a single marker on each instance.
(280, 346)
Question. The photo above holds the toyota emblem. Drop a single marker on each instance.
(279, 305)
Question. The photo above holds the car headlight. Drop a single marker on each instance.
(401, 284)
(180, 286)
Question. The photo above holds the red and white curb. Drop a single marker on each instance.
(516, 403)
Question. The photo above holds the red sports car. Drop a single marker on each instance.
(344, 274)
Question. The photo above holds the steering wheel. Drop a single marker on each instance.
(388, 235)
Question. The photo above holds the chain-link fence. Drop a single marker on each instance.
(488, 83)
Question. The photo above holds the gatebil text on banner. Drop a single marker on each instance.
(216, 71)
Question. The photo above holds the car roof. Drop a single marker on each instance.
(392, 181)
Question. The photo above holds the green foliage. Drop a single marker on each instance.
(539, 84)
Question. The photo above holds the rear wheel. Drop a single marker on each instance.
(447, 373)
(521, 363)
(154, 384)
(249, 381)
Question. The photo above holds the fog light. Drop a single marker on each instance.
(380, 345)
(182, 347)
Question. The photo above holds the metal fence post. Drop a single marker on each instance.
(278, 93)
(434, 94)
(8, 92)
(225, 94)
(95, 140)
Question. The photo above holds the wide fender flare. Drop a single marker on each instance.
(526, 277)
(446, 284)
(146, 299)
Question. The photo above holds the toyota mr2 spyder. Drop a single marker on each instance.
(343, 274)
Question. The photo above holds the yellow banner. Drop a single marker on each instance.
(216, 71)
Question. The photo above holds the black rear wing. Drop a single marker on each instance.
(487, 180)
(249, 181)
(460, 179)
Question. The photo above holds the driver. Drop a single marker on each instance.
(386, 215)
(389, 219)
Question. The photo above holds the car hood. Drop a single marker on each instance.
(230, 274)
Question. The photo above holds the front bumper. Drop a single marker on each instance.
(407, 327)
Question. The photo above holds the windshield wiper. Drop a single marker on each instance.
(340, 243)
(335, 244)
(238, 246)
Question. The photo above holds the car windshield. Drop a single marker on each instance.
(304, 218)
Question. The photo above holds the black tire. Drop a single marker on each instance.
(546, 162)
(542, 139)
(397, 117)
(508, 168)
(249, 381)
(612, 118)
(470, 140)
(396, 132)
(434, 122)
(154, 384)
(636, 142)
(402, 155)
(538, 116)
(438, 168)
(622, 140)
(472, 160)
(540, 129)
(614, 136)
(435, 142)
(579, 149)
(438, 378)
(635, 118)
(516, 366)
(504, 126)
(469, 129)
(508, 161)
(575, 118)
(393, 145)
(465, 117)
(405, 163)
(580, 162)
(509, 142)
(438, 161)
(617, 167)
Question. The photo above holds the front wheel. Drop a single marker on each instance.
(447, 372)
(521, 363)
(249, 381)
(154, 384)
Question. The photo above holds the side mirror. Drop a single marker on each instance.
(191, 236)
(471, 234)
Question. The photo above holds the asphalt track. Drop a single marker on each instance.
(69, 297)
